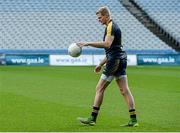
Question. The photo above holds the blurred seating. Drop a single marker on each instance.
(54, 24)
(166, 13)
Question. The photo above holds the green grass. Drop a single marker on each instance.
(51, 98)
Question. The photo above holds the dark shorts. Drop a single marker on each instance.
(115, 67)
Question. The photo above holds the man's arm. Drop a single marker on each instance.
(98, 67)
(104, 44)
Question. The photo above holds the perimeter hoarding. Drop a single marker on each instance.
(158, 59)
(2, 59)
(66, 60)
(28, 60)
(84, 60)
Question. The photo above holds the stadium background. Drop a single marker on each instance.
(48, 27)
(38, 33)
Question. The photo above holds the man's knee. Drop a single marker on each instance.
(124, 91)
(99, 89)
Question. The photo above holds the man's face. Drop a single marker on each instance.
(102, 19)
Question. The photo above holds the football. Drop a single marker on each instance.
(74, 50)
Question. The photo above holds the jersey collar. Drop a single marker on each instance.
(109, 22)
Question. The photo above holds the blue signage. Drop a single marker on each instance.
(2, 59)
(29, 60)
(158, 59)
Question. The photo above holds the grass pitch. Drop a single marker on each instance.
(51, 98)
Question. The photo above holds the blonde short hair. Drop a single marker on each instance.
(104, 11)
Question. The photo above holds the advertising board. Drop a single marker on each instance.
(35, 60)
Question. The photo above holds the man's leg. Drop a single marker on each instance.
(125, 91)
(122, 83)
(104, 81)
(100, 88)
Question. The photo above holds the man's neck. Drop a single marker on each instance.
(108, 21)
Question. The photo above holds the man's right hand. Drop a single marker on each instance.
(97, 69)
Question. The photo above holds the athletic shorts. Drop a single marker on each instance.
(114, 68)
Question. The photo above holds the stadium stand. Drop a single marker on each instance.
(54, 24)
(166, 13)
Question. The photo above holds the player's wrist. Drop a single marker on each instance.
(87, 44)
